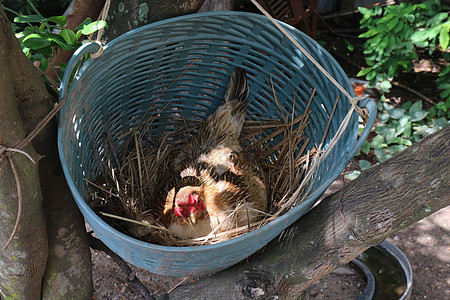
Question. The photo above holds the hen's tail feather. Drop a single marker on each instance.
(228, 119)
(238, 91)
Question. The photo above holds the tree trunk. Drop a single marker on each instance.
(125, 15)
(68, 273)
(69, 270)
(381, 201)
(217, 5)
(22, 264)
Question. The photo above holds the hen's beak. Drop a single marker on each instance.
(193, 217)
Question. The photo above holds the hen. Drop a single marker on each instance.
(217, 186)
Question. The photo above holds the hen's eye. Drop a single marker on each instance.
(233, 157)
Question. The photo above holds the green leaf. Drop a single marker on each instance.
(392, 70)
(392, 23)
(384, 117)
(443, 38)
(369, 33)
(396, 113)
(403, 121)
(78, 35)
(365, 11)
(440, 123)
(399, 26)
(419, 36)
(35, 41)
(60, 20)
(68, 36)
(384, 43)
(441, 106)
(350, 46)
(43, 64)
(58, 40)
(353, 175)
(82, 24)
(385, 85)
(26, 51)
(405, 142)
(418, 115)
(424, 44)
(14, 27)
(400, 141)
(364, 164)
(437, 19)
(371, 75)
(365, 148)
(407, 131)
(378, 10)
(407, 105)
(29, 19)
(398, 148)
(390, 134)
(46, 51)
(381, 129)
(395, 140)
(367, 52)
(387, 106)
(415, 107)
(93, 27)
(377, 141)
(410, 18)
(375, 40)
(444, 86)
(364, 71)
(41, 27)
(381, 154)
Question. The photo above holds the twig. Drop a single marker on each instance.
(134, 221)
(20, 200)
(354, 11)
(97, 244)
(329, 122)
(50, 80)
(178, 284)
(402, 86)
(333, 31)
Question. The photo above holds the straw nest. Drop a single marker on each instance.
(126, 197)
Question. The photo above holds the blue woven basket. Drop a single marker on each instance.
(190, 58)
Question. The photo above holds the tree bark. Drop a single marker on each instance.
(125, 15)
(69, 270)
(22, 264)
(381, 201)
(68, 273)
(217, 5)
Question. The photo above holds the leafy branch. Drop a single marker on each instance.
(394, 35)
(395, 32)
(41, 38)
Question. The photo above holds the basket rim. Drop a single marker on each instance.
(200, 15)
(287, 217)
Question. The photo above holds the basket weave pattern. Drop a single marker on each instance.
(183, 65)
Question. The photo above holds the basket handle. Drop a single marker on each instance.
(371, 107)
(91, 47)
